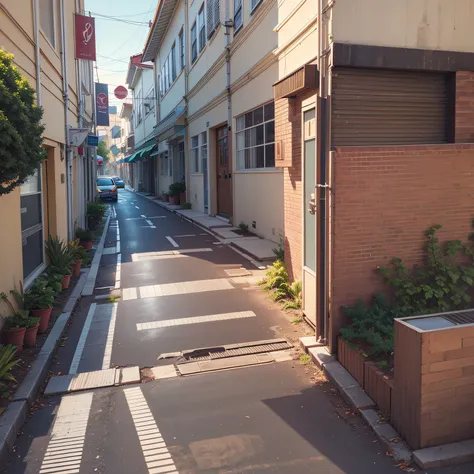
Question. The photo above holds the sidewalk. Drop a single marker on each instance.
(256, 247)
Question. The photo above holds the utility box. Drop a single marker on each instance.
(433, 390)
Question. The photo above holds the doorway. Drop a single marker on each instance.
(309, 213)
(224, 173)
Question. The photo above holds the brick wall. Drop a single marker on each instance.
(288, 130)
(464, 122)
(384, 200)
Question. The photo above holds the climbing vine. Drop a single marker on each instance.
(21, 129)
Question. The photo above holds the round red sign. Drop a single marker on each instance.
(120, 92)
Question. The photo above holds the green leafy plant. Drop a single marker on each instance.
(295, 293)
(95, 212)
(113, 298)
(244, 228)
(305, 359)
(54, 280)
(177, 188)
(186, 205)
(279, 251)
(103, 151)
(83, 235)
(19, 317)
(60, 256)
(78, 252)
(297, 321)
(41, 295)
(7, 362)
(276, 276)
(21, 130)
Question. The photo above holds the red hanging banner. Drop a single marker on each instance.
(85, 37)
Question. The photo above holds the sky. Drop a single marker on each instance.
(117, 40)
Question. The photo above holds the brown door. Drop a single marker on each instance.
(224, 175)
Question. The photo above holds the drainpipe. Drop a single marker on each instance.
(66, 108)
(187, 169)
(228, 25)
(37, 52)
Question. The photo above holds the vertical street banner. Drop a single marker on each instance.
(84, 27)
(102, 104)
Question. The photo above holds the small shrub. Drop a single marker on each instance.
(244, 228)
(83, 235)
(305, 359)
(279, 251)
(296, 296)
(297, 321)
(7, 363)
(177, 188)
(186, 205)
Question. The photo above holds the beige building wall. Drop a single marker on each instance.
(433, 24)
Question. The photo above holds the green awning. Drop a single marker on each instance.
(145, 153)
(132, 158)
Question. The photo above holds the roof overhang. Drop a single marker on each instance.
(299, 81)
(172, 124)
(163, 15)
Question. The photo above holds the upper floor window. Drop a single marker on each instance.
(194, 43)
(202, 28)
(47, 14)
(195, 154)
(254, 4)
(213, 16)
(173, 62)
(149, 103)
(238, 17)
(255, 138)
(181, 49)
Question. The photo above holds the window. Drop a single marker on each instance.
(181, 49)
(255, 138)
(139, 110)
(202, 28)
(195, 154)
(47, 19)
(194, 45)
(238, 17)
(173, 63)
(213, 16)
(149, 103)
(164, 163)
(254, 4)
(203, 151)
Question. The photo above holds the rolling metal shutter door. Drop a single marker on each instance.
(383, 107)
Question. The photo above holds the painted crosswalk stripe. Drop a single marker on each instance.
(82, 340)
(157, 457)
(172, 241)
(140, 257)
(167, 323)
(118, 271)
(110, 338)
(63, 456)
(180, 288)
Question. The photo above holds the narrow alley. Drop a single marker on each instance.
(178, 294)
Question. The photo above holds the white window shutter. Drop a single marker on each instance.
(210, 17)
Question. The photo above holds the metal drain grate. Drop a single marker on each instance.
(460, 317)
(234, 350)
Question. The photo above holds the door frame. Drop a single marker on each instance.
(308, 104)
(216, 166)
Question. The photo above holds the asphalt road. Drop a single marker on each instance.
(269, 418)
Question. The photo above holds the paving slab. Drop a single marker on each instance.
(82, 381)
(445, 455)
(321, 356)
(261, 249)
(164, 372)
(130, 375)
(308, 342)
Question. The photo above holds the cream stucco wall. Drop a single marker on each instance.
(424, 24)
(143, 84)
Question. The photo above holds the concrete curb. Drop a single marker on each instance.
(353, 393)
(90, 283)
(16, 413)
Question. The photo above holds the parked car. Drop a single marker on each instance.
(106, 188)
(118, 181)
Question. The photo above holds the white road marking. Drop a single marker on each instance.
(144, 217)
(110, 339)
(180, 288)
(137, 207)
(139, 218)
(149, 222)
(184, 235)
(172, 241)
(64, 452)
(137, 257)
(157, 457)
(82, 340)
(118, 271)
(195, 320)
(118, 238)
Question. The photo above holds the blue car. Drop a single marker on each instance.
(118, 181)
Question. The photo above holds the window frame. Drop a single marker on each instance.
(182, 57)
(201, 23)
(194, 154)
(174, 73)
(236, 10)
(241, 162)
(194, 42)
(254, 7)
(54, 40)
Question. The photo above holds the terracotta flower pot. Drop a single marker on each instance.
(30, 335)
(15, 337)
(76, 268)
(86, 244)
(166, 198)
(65, 281)
(174, 200)
(182, 198)
(44, 315)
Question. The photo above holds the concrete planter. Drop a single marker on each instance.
(351, 360)
(378, 386)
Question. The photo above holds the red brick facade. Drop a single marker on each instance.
(384, 199)
(464, 121)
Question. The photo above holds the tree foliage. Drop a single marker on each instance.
(21, 128)
(103, 150)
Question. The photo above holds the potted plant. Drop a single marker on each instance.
(175, 190)
(85, 238)
(41, 299)
(6, 364)
(166, 197)
(61, 259)
(78, 254)
(95, 213)
(17, 324)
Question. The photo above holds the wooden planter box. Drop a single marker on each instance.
(379, 387)
(352, 360)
